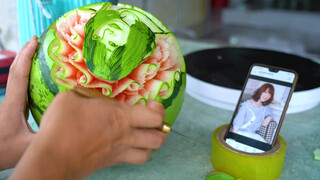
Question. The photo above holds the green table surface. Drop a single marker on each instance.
(183, 158)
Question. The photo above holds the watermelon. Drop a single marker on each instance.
(119, 50)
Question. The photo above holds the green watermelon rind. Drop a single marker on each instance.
(39, 84)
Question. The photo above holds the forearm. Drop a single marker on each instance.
(12, 145)
(271, 118)
(42, 162)
(10, 152)
(267, 120)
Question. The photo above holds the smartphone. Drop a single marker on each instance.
(261, 108)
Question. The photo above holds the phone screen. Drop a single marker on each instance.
(261, 108)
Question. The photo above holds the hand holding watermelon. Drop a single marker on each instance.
(15, 135)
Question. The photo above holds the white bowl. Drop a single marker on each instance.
(216, 76)
(227, 98)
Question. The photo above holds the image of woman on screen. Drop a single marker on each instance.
(255, 112)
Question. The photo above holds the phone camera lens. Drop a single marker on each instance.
(273, 70)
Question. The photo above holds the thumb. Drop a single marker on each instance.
(18, 79)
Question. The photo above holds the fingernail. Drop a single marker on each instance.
(34, 37)
(151, 102)
(86, 92)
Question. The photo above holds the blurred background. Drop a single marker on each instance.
(291, 26)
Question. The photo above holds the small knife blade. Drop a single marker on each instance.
(167, 128)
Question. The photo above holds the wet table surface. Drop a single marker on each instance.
(183, 158)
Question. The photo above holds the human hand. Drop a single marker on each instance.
(266, 121)
(16, 135)
(79, 135)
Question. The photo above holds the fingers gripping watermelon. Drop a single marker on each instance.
(119, 50)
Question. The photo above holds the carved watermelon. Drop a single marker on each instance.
(119, 50)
